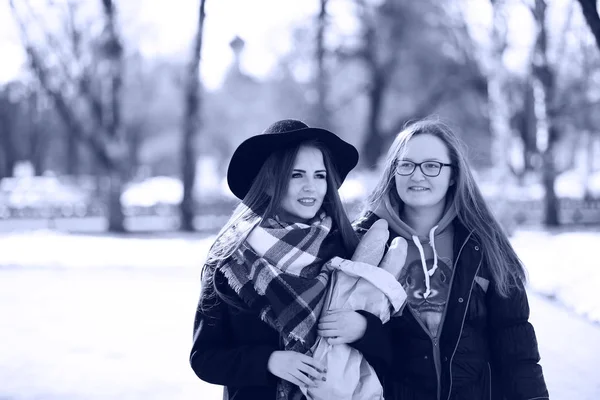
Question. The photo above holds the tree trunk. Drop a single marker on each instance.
(498, 103)
(191, 125)
(322, 111)
(590, 13)
(72, 160)
(549, 178)
(8, 145)
(374, 142)
(113, 51)
(546, 129)
(115, 216)
(373, 146)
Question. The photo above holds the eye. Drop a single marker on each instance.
(409, 280)
(442, 277)
(405, 164)
(431, 165)
(321, 176)
(296, 175)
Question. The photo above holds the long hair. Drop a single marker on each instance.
(472, 211)
(262, 201)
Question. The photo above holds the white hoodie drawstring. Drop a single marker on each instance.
(435, 255)
(431, 271)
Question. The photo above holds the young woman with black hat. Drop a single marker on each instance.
(263, 283)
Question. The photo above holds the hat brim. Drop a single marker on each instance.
(249, 157)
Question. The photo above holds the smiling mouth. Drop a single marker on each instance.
(307, 202)
(417, 189)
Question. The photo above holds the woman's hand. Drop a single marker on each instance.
(342, 326)
(296, 368)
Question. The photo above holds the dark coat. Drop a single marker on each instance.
(232, 346)
(487, 348)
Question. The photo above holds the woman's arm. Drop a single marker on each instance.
(375, 344)
(514, 346)
(359, 329)
(215, 359)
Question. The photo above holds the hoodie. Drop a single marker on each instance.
(428, 270)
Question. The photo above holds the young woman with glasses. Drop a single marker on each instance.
(465, 332)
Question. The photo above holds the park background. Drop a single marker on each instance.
(118, 118)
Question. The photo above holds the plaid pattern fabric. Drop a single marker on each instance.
(282, 270)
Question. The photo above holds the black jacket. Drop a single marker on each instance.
(232, 347)
(487, 348)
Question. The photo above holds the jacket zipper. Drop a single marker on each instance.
(490, 375)
(437, 357)
(436, 353)
(437, 360)
(461, 328)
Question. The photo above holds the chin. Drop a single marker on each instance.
(422, 202)
(309, 215)
(304, 214)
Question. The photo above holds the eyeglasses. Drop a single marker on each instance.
(428, 168)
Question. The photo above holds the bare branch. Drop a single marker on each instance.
(560, 53)
(590, 13)
(56, 47)
(82, 83)
(57, 93)
(349, 98)
(446, 88)
(113, 50)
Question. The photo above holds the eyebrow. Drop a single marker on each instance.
(427, 159)
(301, 170)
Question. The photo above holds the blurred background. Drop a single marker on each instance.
(118, 119)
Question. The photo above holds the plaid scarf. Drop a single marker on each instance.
(281, 271)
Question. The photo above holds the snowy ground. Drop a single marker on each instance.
(93, 317)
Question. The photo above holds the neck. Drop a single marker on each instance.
(422, 219)
(290, 218)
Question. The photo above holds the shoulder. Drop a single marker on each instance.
(334, 244)
(362, 224)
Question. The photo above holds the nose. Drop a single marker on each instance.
(309, 185)
(417, 175)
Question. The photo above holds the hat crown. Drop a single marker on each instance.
(285, 125)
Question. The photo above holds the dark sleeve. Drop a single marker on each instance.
(215, 359)
(514, 346)
(362, 224)
(375, 345)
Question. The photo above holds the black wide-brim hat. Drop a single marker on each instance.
(249, 157)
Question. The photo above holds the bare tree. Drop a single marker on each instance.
(115, 141)
(191, 124)
(388, 29)
(544, 88)
(36, 141)
(86, 90)
(8, 114)
(322, 111)
(380, 70)
(590, 13)
(498, 104)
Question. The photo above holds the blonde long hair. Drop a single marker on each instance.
(472, 211)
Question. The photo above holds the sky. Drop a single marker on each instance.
(167, 27)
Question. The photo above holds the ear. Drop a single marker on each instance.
(270, 190)
(452, 182)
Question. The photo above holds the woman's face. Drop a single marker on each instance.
(418, 190)
(307, 185)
